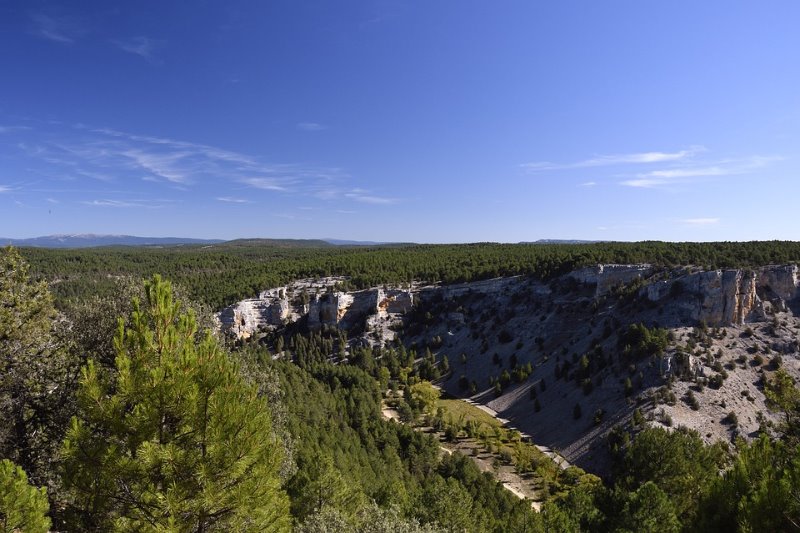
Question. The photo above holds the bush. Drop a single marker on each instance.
(504, 337)
(598, 416)
(731, 419)
(715, 381)
(691, 401)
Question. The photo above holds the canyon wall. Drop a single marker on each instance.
(714, 297)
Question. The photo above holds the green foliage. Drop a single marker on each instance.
(37, 372)
(369, 519)
(221, 274)
(177, 440)
(22, 507)
(677, 462)
(759, 493)
(424, 396)
(783, 395)
(639, 341)
(649, 510)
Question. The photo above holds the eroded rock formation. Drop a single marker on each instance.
(714, 297)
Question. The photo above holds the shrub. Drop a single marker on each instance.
(692, 402)
(731, 419)
(715, 381)
(504, 337)
(598, 416)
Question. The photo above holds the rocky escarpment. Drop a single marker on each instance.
(685, 296)
(607, 277)
(322, 305)
(723, 297)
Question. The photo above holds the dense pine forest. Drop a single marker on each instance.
(218, 275)
(125, 412)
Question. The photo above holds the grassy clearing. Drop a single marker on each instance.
(459, 410)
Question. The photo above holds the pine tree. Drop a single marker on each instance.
(178, 441)
(36, 372)
(22, 507)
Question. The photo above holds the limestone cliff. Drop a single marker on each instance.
(685, 296)
(322, 305)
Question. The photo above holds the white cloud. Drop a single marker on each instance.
(9, 129)
(232, 200)
(360, 195)
(617, 159)
(688, 172)
(141, 46)
(310, 126)
(124, 203)
(164, 165)
(588, 184)
(706, 221)
(55, 29)
(4, 188)
(108, 155)
(645, 183)
(266, 184)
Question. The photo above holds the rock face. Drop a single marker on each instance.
(606, 277)
(721, 297)
(715, 297)
(318, 300)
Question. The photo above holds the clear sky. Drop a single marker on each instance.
(427, 121)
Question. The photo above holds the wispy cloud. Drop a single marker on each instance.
(57, 29)
(704, 221)
(4, 188)
(310, 126)
(146, 164)
(683, 174)
(126, 204)
(10, 129)
(232, 200)
(365, 197)
(588, 184)
(265, 184)
(645, 183)
(617, 159)
(141, 46)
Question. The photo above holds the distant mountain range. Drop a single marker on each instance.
(88, 240)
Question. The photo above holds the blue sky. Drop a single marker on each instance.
(446, 121)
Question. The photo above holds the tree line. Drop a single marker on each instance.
(219, 275)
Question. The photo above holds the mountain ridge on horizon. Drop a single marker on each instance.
(89, 240)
